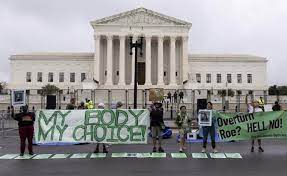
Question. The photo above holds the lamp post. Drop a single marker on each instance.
(137, 45)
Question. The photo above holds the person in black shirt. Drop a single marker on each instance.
(181, 96)
(175, 97)
(276, 107)
(26, 129)
(71, 105)
(156, 124)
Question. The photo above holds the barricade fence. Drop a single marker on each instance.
(192, 99)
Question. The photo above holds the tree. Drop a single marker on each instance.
(49, 90)
(3, 85)
(222, 93)
(277, 90)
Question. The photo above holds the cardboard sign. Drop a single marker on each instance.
(156, 94)
(205, 117)
(18, 97)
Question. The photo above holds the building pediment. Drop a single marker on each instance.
(140, 17)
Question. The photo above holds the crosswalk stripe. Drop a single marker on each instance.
(123, 155)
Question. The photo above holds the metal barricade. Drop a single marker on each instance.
(7, 123)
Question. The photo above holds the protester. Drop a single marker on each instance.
(82, 106)
(156, 125)
(71, 105)
(181, 96)
(252, 108)
(261, 103)
(119, 105)
(183, 122)
(276, 106)
(169, 96)
(26, 129)
(209, 130)
(97, 150)
(89, 104)
(175, 97)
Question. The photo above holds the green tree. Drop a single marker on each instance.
(3, 85)
(49, 90)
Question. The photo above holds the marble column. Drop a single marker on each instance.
(148, 60)
(122, 69)
(97, 61)
(160, 61)
(184, 71)
(172, 80)
(109, 80)
(133, 61)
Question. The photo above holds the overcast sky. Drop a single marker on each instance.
(257, 27)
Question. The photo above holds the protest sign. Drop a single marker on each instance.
(204, 117)
(245, 126)
(92, 125)
(18, 97)
(156, 94)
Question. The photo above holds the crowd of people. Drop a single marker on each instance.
(183, 120)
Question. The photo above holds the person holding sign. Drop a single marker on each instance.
(183, 122)
(156, 124)
(209, 130)
(254, 107)
(97, 150)
(26, 129)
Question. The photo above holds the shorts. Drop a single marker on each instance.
(183, 133)
(155, 131)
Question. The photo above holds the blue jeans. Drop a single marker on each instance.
(211, 131)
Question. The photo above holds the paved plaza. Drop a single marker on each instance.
(234, 158)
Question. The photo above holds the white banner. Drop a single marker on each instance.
(118, 126)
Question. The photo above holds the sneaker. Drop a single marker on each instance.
(31, 153)
(260, 149)
(203, 150)
(215, 151)
(252, 149)
(160, 149)
(154, 149)
(21, 154)
(97, 150)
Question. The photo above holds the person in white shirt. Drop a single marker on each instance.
(252, 108)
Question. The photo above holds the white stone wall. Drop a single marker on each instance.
(19, 68)
(224, 67)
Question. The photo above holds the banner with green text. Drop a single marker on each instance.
(244, 126)
(116, 126)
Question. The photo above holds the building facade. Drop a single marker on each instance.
(165, 62)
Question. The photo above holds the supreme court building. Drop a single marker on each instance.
(166, 62)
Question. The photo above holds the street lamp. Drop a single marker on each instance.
(137, 45)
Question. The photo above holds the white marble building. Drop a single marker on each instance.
(165, 63)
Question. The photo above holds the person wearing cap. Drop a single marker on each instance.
(26, 129)
(156, 123)
(252, 108)
(97, 150)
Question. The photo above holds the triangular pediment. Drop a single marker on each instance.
(138, 17)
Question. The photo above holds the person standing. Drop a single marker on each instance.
(276, 106)
(261, 103)
(181, 96)
(156, 123)
(97, 150)
(26, 129)
(175, 97)
(252, 108)
(183, 122)
(71, 105)
(209, 130)
(169, 96)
